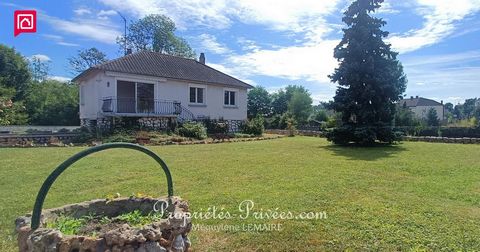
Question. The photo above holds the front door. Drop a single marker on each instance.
(145, 98)
(135, 97)
(126, 97)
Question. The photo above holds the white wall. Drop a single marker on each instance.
(213, 108)
(96, 87)
(422, 111)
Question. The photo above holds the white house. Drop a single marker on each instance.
(420, 106)
(158, 88)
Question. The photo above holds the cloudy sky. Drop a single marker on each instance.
(271, 43)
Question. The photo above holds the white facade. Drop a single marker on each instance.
(103, 84)
(422, 111)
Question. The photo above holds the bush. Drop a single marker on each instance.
(119, 138)
(291, 127)
(193, 130)
(363, 135)
(216, 127)
(240, 135)
(83, 135)
(460, 132)
(273, 122)
(253, 127)
(63, 130)
(428, 131)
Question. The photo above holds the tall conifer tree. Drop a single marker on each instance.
(370, 78)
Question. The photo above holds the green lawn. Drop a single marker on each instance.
(412, 196)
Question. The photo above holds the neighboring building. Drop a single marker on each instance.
(420, 106)
(157, 89)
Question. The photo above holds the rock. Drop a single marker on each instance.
(22, 222)
(154, 247)
(164, 243)
(92, 244)
(151, 234)
(187, 242)
(178, 244)
(44, 240)
(128, 248)
(23, 234)
(141, 248)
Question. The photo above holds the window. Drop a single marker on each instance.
(197, 95)
(229, 98)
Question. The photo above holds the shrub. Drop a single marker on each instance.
(363, 135)
(283, 123)
(240, 135)
(216, 127)
(273, 122)
(83, 135)
(460, 132)
(291, 127)
(253, 126)
(428, 131)
(63, 130)
(119, 138)
(193, 130)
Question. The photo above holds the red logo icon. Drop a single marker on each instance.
(25, 21)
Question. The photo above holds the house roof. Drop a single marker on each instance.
(166, 66)
(418, 102)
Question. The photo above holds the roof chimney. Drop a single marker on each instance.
(416, 97)
(201, 59)
(411, 97)
(129, 51)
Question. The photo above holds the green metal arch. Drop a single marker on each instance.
(37, 209)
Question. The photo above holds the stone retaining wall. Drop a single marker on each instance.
(442, 140)
(170, 234)
(464, 140)
(33, 139)
(157, 123)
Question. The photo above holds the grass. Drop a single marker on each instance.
(72, 226)
(409, 197)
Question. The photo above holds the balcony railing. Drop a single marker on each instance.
(140, 106)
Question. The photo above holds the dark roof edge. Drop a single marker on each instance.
(438, 103)
(418, 100)
(98, 67)
(248, 85)
(83, 74)
(168, 78)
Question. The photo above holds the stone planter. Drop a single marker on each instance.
(170, 234)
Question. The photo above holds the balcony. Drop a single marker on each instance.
(140, 107)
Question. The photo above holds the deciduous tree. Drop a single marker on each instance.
(300, 106)
(259, 102)
(156, 33)
(14, 72)
(39, 69)
(86, 58)
(52, 103)
(11, 113)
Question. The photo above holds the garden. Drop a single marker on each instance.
(409, 196)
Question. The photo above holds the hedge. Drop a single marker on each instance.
(440, 132)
